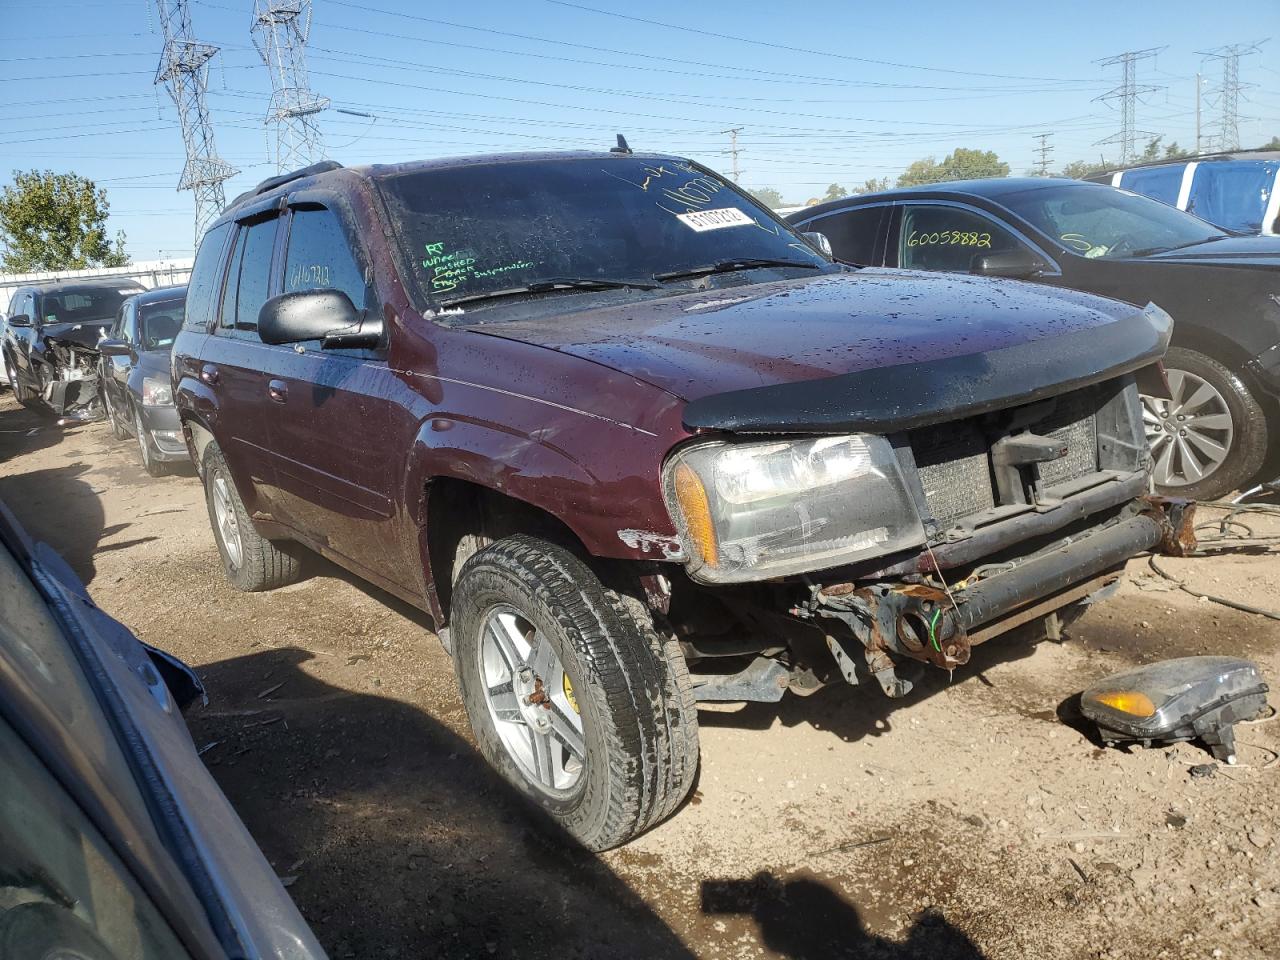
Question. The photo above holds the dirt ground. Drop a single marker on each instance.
(966, 821)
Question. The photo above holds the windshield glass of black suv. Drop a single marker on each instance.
(1099, 222)
(484, 228)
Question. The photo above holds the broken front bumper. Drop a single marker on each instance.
(931, 621)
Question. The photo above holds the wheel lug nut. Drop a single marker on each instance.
(1182, 433)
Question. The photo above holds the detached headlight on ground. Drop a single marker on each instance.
(156, 393)
(750, 511)
(1178, 700)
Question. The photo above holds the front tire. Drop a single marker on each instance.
(250, 561)
(572, 695)
(117, 428)
(1211, 438)
(153, 466)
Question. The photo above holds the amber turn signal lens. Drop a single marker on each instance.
(692, 497)
(1128, 701)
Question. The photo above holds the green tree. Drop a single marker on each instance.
(55, 221)
(1079, 169)
(835, 192)
(1175, 152)
(1272, 144)
(769, 197)
(961, 164)
(873, 185)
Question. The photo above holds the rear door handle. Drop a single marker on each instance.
(209, 373)
(278, 390)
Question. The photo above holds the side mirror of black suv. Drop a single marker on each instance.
(325, 315)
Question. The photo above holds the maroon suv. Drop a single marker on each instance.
(607, 419)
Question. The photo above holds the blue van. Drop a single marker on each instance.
(1239, 192)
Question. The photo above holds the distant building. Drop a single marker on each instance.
(149, 273)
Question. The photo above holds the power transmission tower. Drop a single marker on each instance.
(1127, 93)
(184, 70)
(1229, 91)
(280, 29)
(1045, 150)
(733, 149)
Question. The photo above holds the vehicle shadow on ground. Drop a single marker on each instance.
(854, 712)
(24, 431)
(402, 840)
(804, 919)
(56, 506)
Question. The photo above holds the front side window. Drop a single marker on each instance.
(937, 237)
(1097, 221)
(158, 324)
(853, 233)
(128, 326)
(489, 227)
(320, 258)
(249, 276)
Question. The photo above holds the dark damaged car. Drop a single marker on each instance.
(634, 443)
(51, 343)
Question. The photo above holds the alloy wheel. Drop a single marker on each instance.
(224, 511)
(1190, 434)
(531, 700)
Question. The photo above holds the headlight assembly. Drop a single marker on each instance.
(755, 510)
(156, 393)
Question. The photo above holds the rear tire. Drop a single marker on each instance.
(250, 561)
(636, 720)
(1218, 413)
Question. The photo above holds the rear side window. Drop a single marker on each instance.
(204, 277)
(852, 233)
(249, 277)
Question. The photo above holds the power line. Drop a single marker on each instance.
(184, 70)
(280, 30)
(1229, 91)
(734, 150)
(804, 50)
(1127, 93)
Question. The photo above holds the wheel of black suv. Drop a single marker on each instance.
(118, 429)
(572, 694)
(157, 468)
(26, 396)
(1211, 437)
(250, 561)
(9, 378)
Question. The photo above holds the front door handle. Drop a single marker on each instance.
(209, 373)
(278, 390)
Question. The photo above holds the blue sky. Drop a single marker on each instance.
(823, 91)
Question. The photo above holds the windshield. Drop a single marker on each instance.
(1098, 221)
(489, 227)
(83, 304)
(159, 323)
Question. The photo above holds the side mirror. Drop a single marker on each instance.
(20, 320)
(820, 241)
(114, 348)
(1015, 265)
(325, 315)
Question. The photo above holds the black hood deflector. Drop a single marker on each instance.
(903, 396)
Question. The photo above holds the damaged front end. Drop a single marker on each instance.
(907, 538)
(892, 626)
(69, 380)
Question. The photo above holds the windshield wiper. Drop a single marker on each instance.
(741, 263)
(550, 284)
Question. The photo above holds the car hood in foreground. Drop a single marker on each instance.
(874, 349)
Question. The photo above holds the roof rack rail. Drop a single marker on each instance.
(324, 166)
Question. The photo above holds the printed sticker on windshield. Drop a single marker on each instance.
(703, 220)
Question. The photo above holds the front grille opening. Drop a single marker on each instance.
(953, 460)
